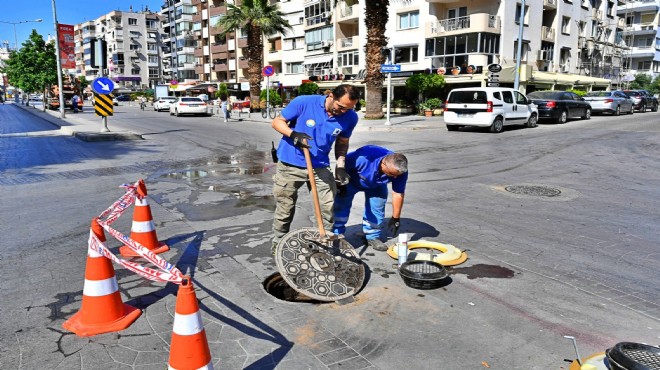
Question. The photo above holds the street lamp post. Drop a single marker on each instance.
(39, 20)
(59, 62)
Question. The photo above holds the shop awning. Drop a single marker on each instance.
(319, 59)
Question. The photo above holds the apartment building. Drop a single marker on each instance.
(133, 42)
(639, 28)
(179, 40)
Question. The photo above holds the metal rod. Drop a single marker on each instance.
(575, 346)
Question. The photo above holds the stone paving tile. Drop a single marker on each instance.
(121, 354)
(230, 363)
(326, 346)
(150, 342)
(354, 363)
(256, 346)
(94, 355)
(158, 321)
(152, 357)
(337, 355)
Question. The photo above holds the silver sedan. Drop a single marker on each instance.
(615, 102)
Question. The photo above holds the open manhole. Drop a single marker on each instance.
(276, 286)
(533, 190)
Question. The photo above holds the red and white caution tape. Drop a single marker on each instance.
(169, 272)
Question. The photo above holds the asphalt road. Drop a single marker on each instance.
(560, 223)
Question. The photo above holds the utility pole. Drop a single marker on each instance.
(59, 62)
(521, 24)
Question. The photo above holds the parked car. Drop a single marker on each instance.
(119, 98)
(650, 97)
(492, 107)
(163, 103)
(613, 102)
(560, 105)
(640, 101)
(651, 101)
(188, 105)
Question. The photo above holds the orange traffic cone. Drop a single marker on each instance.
(102, 309)
(189, 348)
(143, 230)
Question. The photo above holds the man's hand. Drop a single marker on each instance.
(298, 139)
(393, 225)
(341, 176)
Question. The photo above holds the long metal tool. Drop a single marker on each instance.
(315, 194)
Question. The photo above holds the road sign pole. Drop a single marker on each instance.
(389, 98)
(267, 96)
(105, 124)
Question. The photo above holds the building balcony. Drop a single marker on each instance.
(641, 29)
(217, 9)
(186, 50)
(183, 18)
(348, 43)
(642, 52)
(219, 48)
(549, 4)
(243, 63)
(547, 34)
(224, 67)
(274, 56)
(348, 13)
(242, 42)
(479, 22)
(638, 6)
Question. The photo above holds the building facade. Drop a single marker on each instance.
(134, 43)
(639, 29)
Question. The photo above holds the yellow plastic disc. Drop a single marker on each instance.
(450, 255)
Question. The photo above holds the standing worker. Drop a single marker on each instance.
(321, 120)
(223, 106)
(74, 103)
(370, 169)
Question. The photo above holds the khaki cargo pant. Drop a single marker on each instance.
(286, 182)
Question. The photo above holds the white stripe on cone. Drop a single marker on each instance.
(141, 202)
(143, 226)
(187, 324)
(207, 367)
(99, 288)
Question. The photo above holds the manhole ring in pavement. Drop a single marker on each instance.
(533, 190)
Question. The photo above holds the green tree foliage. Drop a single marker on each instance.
(308, 88)
(255, 18)
(654, 88)
(579, 93)
(34, 66)
(83, 82)
(275, 98)
(425, 84)
(642, 82)
(222, 89)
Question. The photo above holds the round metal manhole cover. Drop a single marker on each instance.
(533, 190)
(319, 271)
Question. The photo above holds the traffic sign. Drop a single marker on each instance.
(495, 68)
(388, 68)
(493, 84)
(268, 71)
(103, 85)
(103, 105)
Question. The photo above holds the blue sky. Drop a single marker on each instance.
(68, 12)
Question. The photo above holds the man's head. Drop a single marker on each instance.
(342, 99)
(394, 165)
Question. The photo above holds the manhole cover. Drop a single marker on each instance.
(533, 190)
(326, 273)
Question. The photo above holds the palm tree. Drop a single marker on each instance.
(256, 18)
(376, 17)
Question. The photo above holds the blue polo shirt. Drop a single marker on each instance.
(363, 166)
(307, 114)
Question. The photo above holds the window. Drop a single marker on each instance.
(215, 19)
(132, 21)
(405, 54)
(610, 10)
(135, 71)
(408, 20)
(153, 59)
(134, 47)
(647, 18)
(152, 24)
(644, 66)
(314, 37)
(153, 73)
(508, 98)
(317, 12)
(296, 67)
(152, 46)
(457, 13)
(518, 11)
(349, 58)
(566, 25)
(582, 28)
(524, 51)
(520, 98)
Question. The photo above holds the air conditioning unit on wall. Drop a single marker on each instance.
(326, 43)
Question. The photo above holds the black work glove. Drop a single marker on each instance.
(341, 189)
(341, 176)
(393, 225)
(298, 139)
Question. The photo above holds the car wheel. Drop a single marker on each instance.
(617, 111)
(643, 110)
(497, 125)
(171, 114)
(587, 114)
(531, 122)
(655, 107)
(563, 117)
(176, 112)
(452, 128)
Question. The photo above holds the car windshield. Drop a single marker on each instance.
(468, 97)
(632, 93)
(168, 98)
(196, 100)
(600, 93)
(545, 95)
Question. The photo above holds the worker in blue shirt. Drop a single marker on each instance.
(320, 121)
(370, 169)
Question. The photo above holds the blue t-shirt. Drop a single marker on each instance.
(307, 114)
(363, 166)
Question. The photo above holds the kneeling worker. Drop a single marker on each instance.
(370, 169)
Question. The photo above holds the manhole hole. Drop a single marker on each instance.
(276, 286)
(533, 190)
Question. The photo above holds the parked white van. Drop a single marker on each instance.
(492, 107)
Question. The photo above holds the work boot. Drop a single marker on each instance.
(376, 245)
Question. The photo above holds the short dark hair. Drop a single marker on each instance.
(398, 161)
(343, 89)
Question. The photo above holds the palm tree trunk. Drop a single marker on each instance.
(376, 16)
(255, 61)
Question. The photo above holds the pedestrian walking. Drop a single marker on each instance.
(143, 102)
(322, 121)
(370, 169)
(223, 107)
(74, 102)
